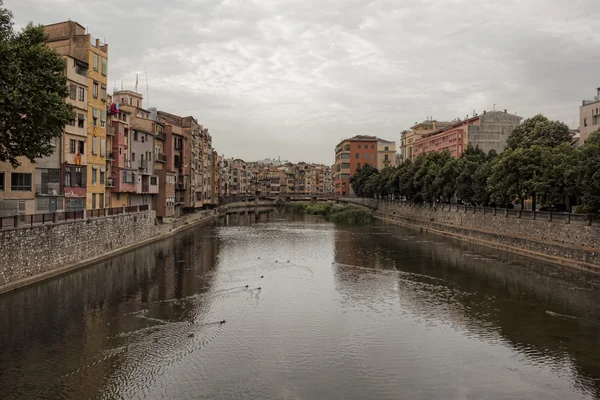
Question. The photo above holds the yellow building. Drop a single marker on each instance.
(97, 121)
(386, 154)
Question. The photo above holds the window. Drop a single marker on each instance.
(372, 146)
(386, 148)
(585, 122)
(93, 201)
(366, 156)
(101, 200)
(102, 147)
(132, 156)
(345, 156)
(126, 132)
(104, 66)
(130, 101)
(94, 116)
(72, 146)
(20, 182)
(1, 181)
(73, 91)
(102, 173)
(81, 68)
(358, 165)
(103, 92)
(386, 158)
(102, 118)
(81, 145)
(96, 62)
(79, 177)
(95, 93)
(94, 145)
(142, 137)
(94, 175)
(68, 176)
(135, 135)
(138, 103)
(357, 155)
(359, 146)
(124, 117)
(81, 120)
(153, 180)
(81, 94)
(118, 196)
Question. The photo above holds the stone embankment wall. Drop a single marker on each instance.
(35, 250)
(30, 254)
(575, 244)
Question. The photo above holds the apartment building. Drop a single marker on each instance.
(589, 117)
(350, 155)
(386, 154)
(416, 132)
(82, 162)
(488, 131)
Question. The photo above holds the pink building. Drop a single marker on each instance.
(487, 131)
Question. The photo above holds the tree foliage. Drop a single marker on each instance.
(362, 183)
(33, 89)
(587, 172)
(539, 131)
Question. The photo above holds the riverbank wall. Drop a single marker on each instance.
(570, 244)
(32, 254)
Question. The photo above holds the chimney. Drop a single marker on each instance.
(505, 111)
(98, 43)
(484, 111)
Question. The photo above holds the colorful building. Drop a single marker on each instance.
(386, 154)
(350, 155)
(417, 131)
(487, 131)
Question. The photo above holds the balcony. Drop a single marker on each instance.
(110, 183)
(110, 156)
(111, 130)
(161, 136)
(161, 158)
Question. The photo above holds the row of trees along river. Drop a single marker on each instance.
(539, 164)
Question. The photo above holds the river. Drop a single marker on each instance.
(330, 312)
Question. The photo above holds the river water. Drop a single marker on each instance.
(330, 312)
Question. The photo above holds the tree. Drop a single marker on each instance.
(33, 89)
(359, 180)
(540, 131)
(588, 174)
(468, 164)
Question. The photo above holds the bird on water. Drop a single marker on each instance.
(222, 322)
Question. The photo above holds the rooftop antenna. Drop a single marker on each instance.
(147, 90)
(494, 107)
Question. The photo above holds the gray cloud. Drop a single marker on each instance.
(290, 78)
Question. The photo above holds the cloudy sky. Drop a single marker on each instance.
(290, 78)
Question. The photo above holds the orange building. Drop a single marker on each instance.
(351, 154)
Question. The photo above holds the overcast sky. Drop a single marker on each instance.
(291, 78)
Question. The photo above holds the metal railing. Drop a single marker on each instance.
(550, 216)
(17, 221)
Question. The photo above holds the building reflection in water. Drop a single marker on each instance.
(542, 311)
(70, 334)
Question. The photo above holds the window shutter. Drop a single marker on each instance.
(102, 116)
(73, 94)
(102, 147)
(94, 145)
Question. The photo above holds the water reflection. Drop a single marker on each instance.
(313, 310)
(549, 314)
